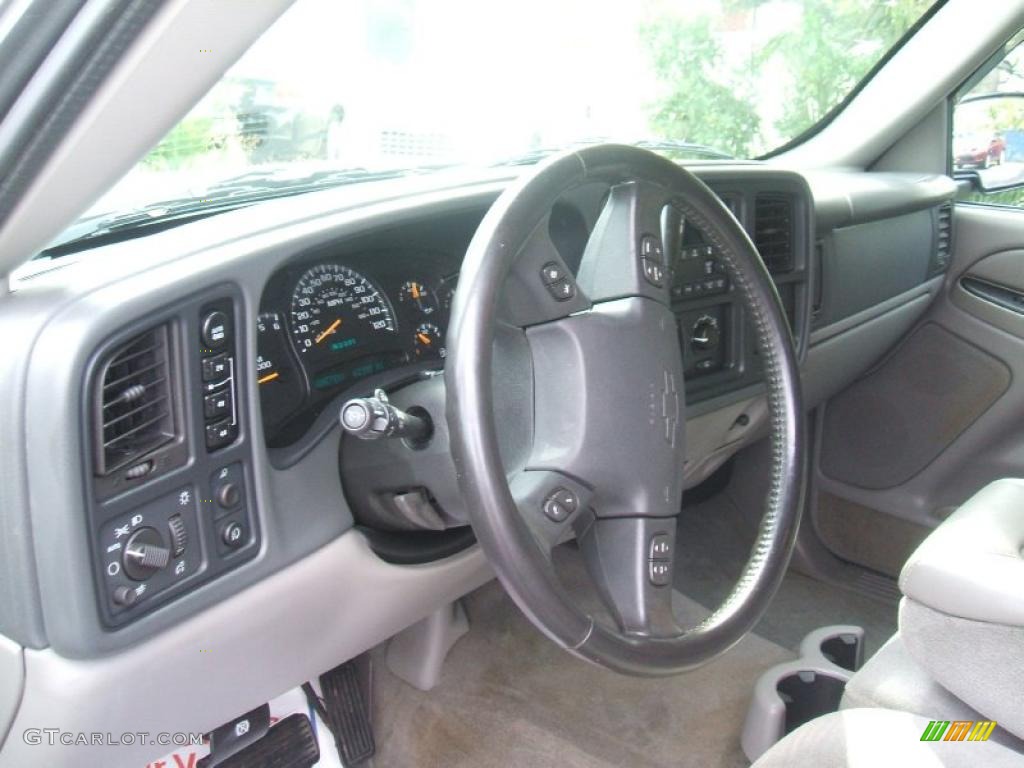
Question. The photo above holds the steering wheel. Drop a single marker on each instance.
(603, 377)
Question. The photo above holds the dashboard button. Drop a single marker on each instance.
(216, 331)
(227, 485)
(216, 368)
(220, 433)
(233, 534)
(228, 495)
(217, 404)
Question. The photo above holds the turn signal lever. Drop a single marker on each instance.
(372, 418)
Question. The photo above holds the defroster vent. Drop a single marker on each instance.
(134, 403)
(773, 231)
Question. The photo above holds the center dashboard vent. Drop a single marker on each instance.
(773, 231)
(133, 402)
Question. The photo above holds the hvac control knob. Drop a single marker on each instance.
(706, 333)
(145, 554)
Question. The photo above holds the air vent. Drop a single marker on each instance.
(943, 238)
(133, 402)
(773, 231)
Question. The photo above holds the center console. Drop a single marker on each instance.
(719, 350)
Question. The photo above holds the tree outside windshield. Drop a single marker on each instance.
(387, 84)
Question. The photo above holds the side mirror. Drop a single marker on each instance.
(988, 141)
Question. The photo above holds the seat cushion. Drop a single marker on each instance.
(880, 738)
(892, 679)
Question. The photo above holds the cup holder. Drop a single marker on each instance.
(795, 692)
(844, 651)
(808, 694)
(841, 645)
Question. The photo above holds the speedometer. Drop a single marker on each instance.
(336, 314)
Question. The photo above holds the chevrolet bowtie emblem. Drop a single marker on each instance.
(670, 408)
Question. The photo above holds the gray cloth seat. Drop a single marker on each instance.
(880, 738)
(892, 679)
(958, 655)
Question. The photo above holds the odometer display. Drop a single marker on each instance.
(336, 313)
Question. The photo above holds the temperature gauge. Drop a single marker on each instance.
(428, 341)
(419, 296)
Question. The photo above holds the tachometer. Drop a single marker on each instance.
(336, 313)
(281, 388)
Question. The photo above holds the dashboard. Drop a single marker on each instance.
(210, 361)
(331, 321)
(190, 485)
(342, 321)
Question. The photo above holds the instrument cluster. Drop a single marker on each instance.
(331, 325)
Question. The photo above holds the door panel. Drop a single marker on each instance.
(939, 417)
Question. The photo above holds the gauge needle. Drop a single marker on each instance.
(268, 377)
(330, 329)
(415, 289)
(424, 338)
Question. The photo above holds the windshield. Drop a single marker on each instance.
(383, 86)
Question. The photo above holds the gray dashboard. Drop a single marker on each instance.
(864, 256)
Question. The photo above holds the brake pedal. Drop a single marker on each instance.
(290, 743)
(348, 713)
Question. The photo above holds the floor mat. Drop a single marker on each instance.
(713, 542)
(509, 697)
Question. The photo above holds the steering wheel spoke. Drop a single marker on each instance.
(551, 504)
(631, 561)
(627, 252)
(540, 287)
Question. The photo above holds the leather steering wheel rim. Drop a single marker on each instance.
(508, 539)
